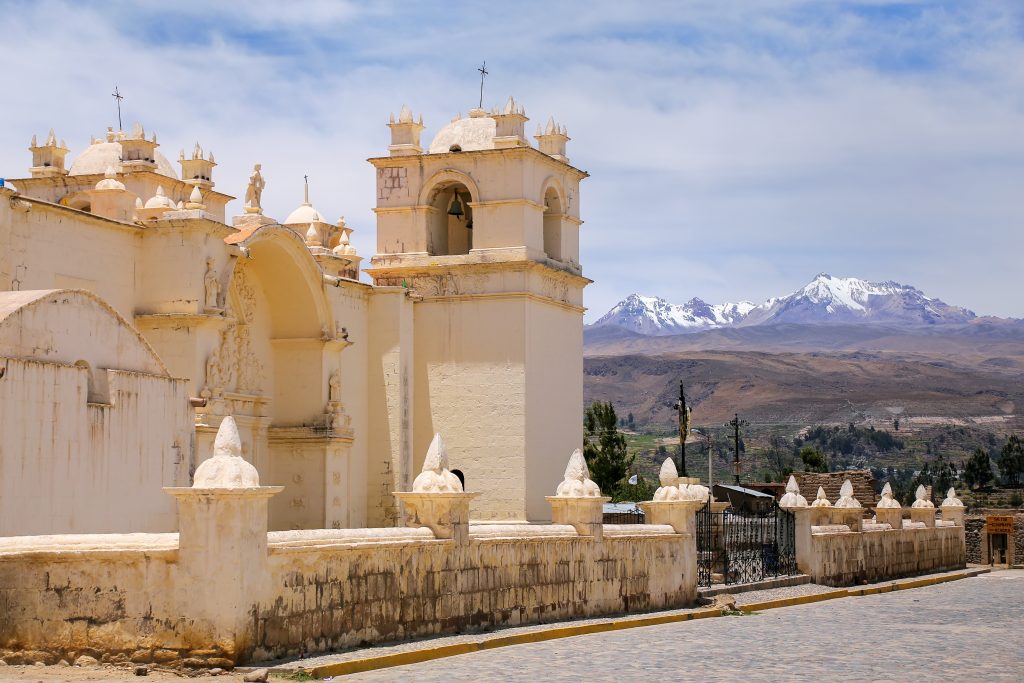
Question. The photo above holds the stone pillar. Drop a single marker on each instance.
(925, 515)
(681, 515)
(437, 500)
(923, 510)
(888, 511)
(446, 513)
(578, 500)
(952, 508)
(222, 547)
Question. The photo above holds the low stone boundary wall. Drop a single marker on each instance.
(142, 598)
(837, 546)
(845, 559)
(325, 597)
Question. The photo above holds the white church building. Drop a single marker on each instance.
(134, 317)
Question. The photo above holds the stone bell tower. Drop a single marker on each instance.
(483, 229)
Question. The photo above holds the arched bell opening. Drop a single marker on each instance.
(553, 224)
(450, 228)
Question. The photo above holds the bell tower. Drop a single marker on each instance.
(483, 229)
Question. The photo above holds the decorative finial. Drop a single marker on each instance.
(669, 478)
(846, 499)
(305, 192)
(226, 469)
(576, 481)
(435, 477)
(821, 501)
(921, 494)
(951, 499)
(887, 500)
(312, 236)
(792, 499)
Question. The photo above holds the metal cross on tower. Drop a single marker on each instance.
(483, 72)
(118, 97)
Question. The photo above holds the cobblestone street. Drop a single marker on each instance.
(966, 630)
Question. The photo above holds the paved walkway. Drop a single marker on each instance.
(965, 630)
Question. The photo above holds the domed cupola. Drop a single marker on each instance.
(300, 218)
(100, 155)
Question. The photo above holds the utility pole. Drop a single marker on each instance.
(736, 423)
(684, 429)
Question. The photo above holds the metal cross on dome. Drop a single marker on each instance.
(118, 97)
(483, 72)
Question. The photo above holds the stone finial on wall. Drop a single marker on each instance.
(226, 469)
(668, 477)
(951, 499)
(888, 509)
(694, 490)
(922, 498)
(846, 499)
(436, 477)
(792, 499)
(887, 501)
(577, 482)
(578, 500)
(952, 509)
(821, 501)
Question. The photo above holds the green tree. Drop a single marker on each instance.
(943, 476)
(778, 458)
(605, 448)
(643, 489)
(1011, 461)
(813, 459)
(978, 470)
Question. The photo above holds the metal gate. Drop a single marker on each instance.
(742, 547)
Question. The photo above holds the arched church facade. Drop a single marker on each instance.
(472, 327)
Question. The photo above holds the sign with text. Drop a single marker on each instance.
(999, 524)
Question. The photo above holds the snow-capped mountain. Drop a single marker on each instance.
(653, 316)
(826, 299)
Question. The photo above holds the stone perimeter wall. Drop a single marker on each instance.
(326, 599)
(120, 603)
(847, 558)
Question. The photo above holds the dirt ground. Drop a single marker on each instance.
(73, 674)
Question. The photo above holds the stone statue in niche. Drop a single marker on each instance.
(254, 191)
(211, 285)
(335, 382)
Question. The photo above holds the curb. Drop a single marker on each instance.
(384, 661)
(796, 600)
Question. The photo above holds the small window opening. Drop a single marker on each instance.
(462, 478)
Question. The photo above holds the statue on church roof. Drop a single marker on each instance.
(255, 191)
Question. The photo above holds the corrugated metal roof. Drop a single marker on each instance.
(749, 492)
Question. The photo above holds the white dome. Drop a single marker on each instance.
(96, 158)
(475, 132)
(305, 215)
(160, 200)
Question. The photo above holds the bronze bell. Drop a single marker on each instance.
(456, 208)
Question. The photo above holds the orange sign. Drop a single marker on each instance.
(999, 524)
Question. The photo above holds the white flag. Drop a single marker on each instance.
(632, 480)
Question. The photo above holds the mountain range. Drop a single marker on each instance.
(824, 300)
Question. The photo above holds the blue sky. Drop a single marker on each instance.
(736, 148)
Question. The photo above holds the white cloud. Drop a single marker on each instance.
(736, 149)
